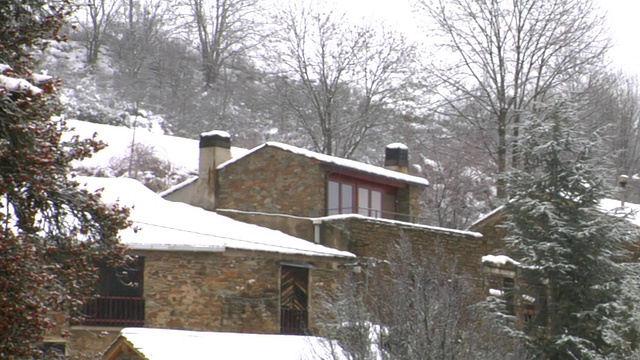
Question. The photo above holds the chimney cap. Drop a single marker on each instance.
(397, 146)
(216, 138)
(396, 155)
(218, 133)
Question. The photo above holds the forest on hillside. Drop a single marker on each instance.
(307, 74)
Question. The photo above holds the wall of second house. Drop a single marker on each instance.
(235, 291)
(408, 202)
(275, 181)
(371, 238)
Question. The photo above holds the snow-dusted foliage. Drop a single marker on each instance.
(52, 230)
(570, 253)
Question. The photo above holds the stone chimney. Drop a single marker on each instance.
(396, 157)
(215, 148)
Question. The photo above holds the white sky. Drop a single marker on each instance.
(623, 19)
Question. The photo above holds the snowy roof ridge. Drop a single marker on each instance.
(614, 207)
(170, 344)
(178, 186)
(400, 223)
(345, 163)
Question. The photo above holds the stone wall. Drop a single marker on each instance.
(234, 291)
(373, 238)
(275, 181)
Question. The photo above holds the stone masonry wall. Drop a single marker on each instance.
(373, 238)
(234, 291)
(275, 181)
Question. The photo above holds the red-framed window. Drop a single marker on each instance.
(347, 195)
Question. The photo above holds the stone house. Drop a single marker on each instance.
(199, 270)
(336, 202)
(249, 244)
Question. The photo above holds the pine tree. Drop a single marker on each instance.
(51, 230)
(572, 253)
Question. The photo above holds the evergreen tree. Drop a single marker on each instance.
(572, 253)
(51, 230)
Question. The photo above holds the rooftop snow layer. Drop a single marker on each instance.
(344, 163)
(167, 344)
(499, 260)
(166, 225)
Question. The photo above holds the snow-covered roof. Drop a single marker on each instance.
(168, 344)
(181, 152)
(319, 220)
(344, 163)
(166, 225)
(630, 211)
(178, 186)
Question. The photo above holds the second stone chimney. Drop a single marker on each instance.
(396, 157)
(215, 148)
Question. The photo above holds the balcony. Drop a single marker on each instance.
(120, 311)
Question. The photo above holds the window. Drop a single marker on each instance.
(502, 281)
(353, 196)
(119, 297)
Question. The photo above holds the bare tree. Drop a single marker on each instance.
(98, 15)
(337, 78)
(612, 101)
(226, 29)
(136, 46)
(414, 306)
(509, 55)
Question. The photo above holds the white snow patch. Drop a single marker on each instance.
(496, 292)
(18, 85)
(182, 153)
(400, 146)
(220, 133)
(166, 225)
(629, 211)
(40, 78)
(499, 260)
(168, 344)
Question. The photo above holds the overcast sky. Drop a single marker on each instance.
(623, 17)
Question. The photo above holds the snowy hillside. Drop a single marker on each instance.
(159, 161)
(181, 153)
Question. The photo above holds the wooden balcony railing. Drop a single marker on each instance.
(114, 311)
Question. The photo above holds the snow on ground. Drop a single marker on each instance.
(166, 225)
(182, 153)
(630, 210)
(164, 344)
